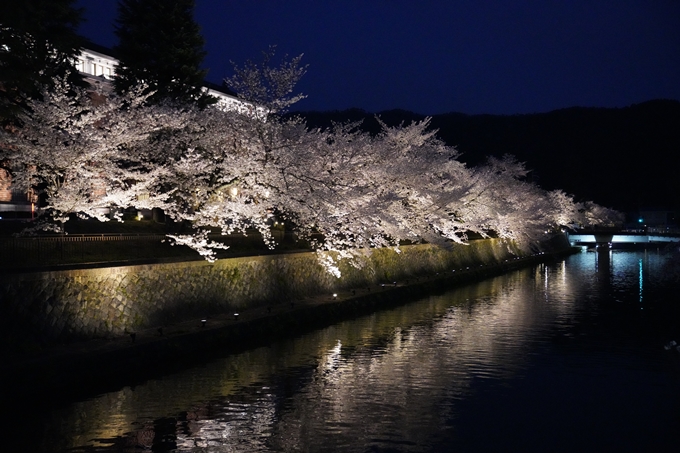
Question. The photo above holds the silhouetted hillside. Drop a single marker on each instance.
(625, 158)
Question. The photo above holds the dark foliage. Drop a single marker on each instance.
(160, 43)
(39, 43)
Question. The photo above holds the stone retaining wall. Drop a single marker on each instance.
(86, 303)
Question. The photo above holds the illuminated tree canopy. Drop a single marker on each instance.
(344, 190)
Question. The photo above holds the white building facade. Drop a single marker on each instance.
(95, 64)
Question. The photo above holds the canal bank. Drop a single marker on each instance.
(542, 349)
(45, 307)
(89, 367)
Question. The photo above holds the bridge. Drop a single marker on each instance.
(622, 238)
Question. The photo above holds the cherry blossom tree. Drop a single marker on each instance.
(74, 149)
(565, 209)
(500, 201)
(234, 170)
(595, 215)
(344, 190)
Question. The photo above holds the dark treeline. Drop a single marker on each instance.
(624, 158)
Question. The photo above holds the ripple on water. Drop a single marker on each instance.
(525, 359)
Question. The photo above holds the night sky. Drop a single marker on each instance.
(469, 56)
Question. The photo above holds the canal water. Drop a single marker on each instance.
(560, 357)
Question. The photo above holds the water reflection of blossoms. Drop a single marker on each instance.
(393, 378)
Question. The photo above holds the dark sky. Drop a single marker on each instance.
(429, 56)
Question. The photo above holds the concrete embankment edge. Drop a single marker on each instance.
(53, 307)
(82, 371)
